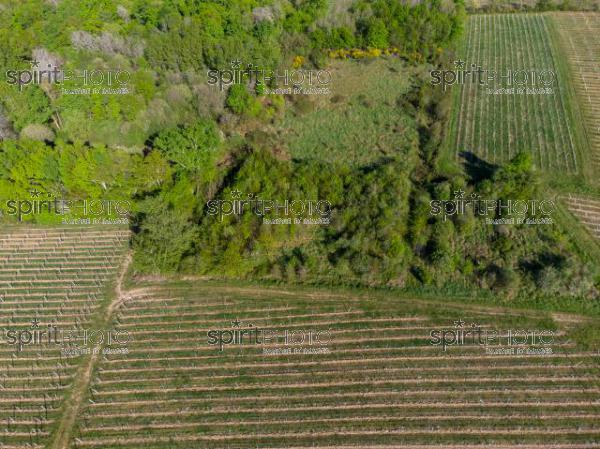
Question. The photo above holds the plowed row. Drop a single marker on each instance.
(55, 276)
(580, 41)
(587, 210)
(381, 385)
(495, 125)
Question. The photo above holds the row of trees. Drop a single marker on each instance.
(381, 230)
(419, 31)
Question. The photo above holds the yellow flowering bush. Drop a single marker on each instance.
(298, 61)
(359, 53)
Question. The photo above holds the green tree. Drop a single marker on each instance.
(30, 106)
(166, 235)
(239, 99)
(191, 148)
(377, 34)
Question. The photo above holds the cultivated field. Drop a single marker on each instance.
(580, 42)
(48, 276)
(496, 126)
(512, 5)
(381, 385)
(587, 210)
(373, 380)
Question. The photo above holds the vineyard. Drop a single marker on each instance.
(580, 40)
(375, 381)
(509, 5)
(345, 369)
(587, 210)
(353, 224)
(48, 276)
(495, 124)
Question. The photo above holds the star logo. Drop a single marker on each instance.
(459, 193)
(35, 324)
(236, 63)
(236, 323)
(460, 64)
(35, 193)
(236, 193)
(474, 325)
(35, 63)
(459, 323)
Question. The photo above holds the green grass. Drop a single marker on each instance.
(359, 122)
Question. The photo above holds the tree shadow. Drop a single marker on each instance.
(476, 168)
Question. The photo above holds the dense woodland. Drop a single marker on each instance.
(174, 143)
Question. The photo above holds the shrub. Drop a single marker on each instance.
(239, 99)
(191, 148)
(377, 34)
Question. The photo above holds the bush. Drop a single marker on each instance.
(192, 149)
(239, 99)
(377, 34)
